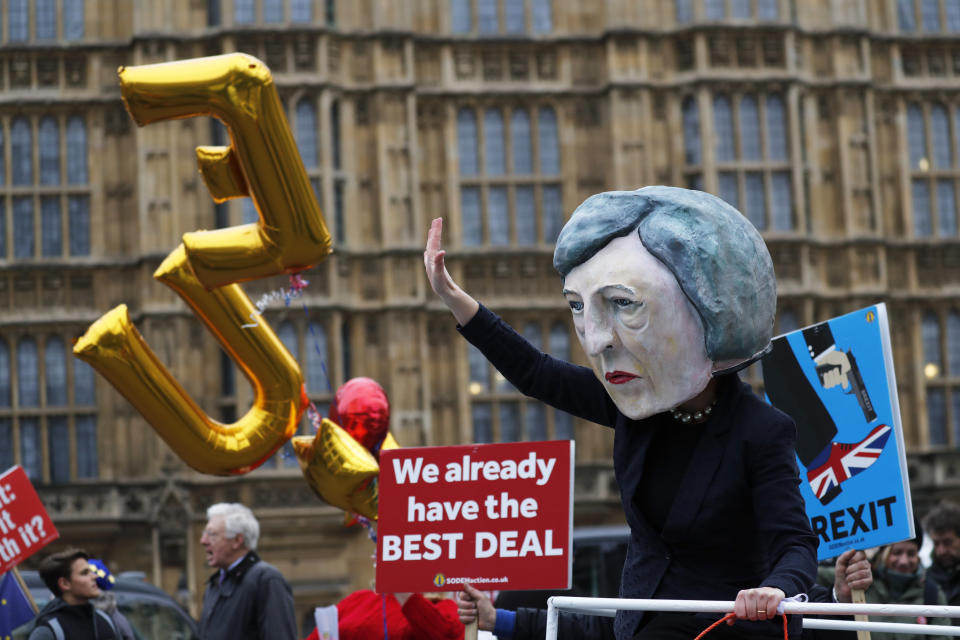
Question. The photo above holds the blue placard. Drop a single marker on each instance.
(836, 380)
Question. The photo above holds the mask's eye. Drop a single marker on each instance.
(575, 305)
(624, 303)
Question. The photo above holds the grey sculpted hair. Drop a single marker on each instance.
(717, 256)
(237, 520)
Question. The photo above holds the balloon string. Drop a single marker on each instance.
(295, 290)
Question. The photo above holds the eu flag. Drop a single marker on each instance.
(15, 607)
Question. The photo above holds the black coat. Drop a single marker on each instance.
(738, 520)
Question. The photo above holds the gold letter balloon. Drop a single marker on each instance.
(261, 162)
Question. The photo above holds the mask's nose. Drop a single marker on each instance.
(598, 333)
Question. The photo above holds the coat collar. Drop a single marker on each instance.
(234, 575)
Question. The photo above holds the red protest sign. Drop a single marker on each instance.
(25, 527)
(497, 516)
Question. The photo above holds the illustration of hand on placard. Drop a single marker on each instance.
(262, 162)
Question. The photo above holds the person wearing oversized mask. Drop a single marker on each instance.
(671, 291)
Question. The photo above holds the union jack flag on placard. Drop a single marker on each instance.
(844, 460)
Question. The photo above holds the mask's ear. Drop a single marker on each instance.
(723, 367)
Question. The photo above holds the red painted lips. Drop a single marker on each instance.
(619, 377)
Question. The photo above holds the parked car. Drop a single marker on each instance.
(598, 555)
(153, 614)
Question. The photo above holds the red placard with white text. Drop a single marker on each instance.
(498, 516)
(25, 527)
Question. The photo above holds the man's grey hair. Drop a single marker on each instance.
(238, 520)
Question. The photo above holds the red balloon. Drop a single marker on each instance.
(360, 407)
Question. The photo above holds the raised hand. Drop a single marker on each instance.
(457, 300)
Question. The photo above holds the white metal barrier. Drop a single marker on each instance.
(609, 606)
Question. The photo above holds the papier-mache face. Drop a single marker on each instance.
(667, 286)
(640, 333)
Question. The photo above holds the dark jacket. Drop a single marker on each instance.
(75, 622)
(253, 602)
(948, 580)
(738, 520)
(531, 624)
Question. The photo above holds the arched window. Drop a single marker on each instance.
(552, 212)
(335, 133)
(756, 199)
(526, 215)
(723, 128)
(27, 373)
(952, 9)
(498, 216)
(86, 437)
(930, 15)
(55, 371)
(248, 211)
(487, 16)
(940, 135)
(244, 12)
(467, 141)
(953, 344)
(21, 151)
(306, 132)
(691, 131)
(471, 217)
(542, 14)
(73, 19)
(23, 227)
(729, 189)
(30, 456)
(905, 16)
(83, 383)
(317, 375)
(228, 377)
(51, 227)
(78, 214)
(930, 338)
(782, 201)
(272, 11)
(48, 137)
(482, 418)
(776, 129)
(768, 9)
(513, 12)
(460, 19)
(520, 139)
(5, 400)
(749, 129)
(45, 19)
(301, 11)
(916, 137)
(77, 151)
(549, 144)
(288, 336)
(18, 20)
(946, 208)
(740, 8)
(922, 222)
(714, 9)
(495, 162)
(58, 449)
(477, 366)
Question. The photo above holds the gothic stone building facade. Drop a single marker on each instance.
(834, 125)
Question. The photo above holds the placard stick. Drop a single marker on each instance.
(23, 587)
(859, 597)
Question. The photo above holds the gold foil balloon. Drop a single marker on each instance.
(114, 347)
(339, 469)
(262, 162)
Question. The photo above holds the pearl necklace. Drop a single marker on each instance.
(695, 417)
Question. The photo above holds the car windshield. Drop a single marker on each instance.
(151, 620)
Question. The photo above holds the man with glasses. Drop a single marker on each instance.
(246, 598)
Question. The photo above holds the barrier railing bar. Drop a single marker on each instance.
(603, 606)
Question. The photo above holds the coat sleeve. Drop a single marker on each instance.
(531, 624)
(41, 633)
(779, 508)
(561, 384)
(276, 618)
(433, 621)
